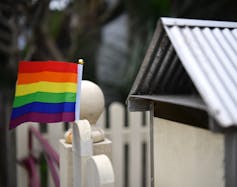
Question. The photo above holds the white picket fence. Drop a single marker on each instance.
(129, 132)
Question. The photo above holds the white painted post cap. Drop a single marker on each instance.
(92, 101)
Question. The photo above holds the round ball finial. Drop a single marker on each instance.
(81, 61)
(92, 101)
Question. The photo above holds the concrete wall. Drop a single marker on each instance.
(186, 156)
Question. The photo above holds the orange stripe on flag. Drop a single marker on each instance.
(25, 78)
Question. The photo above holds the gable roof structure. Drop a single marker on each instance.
(191, 63)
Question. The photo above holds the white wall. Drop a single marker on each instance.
(186, 156)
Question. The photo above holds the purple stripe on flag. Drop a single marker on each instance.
(43, 118)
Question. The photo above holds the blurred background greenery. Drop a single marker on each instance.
(110, 35)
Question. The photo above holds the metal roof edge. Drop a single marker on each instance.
(138, 104)
(146, 61)
(186, 101)
(145, 64)
(168, 21)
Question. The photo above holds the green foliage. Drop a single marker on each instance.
(43, 170)
(161, 7)
(54, 22)
(150, 9)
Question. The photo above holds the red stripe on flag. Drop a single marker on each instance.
(54, 66)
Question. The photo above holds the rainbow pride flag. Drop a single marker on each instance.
(46, 92)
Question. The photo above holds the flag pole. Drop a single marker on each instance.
(79, 80)
(81, 141)
(75, 134)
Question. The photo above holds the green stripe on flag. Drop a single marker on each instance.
(44, 97)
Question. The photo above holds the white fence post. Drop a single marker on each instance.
(82, 150)
(135, 159)
(133, 135)
(98, 169)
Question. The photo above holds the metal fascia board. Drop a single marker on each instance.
(186, 101)
(197, 23)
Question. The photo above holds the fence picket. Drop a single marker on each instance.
(23, 151)
(148, 151)
(116, 114)
(55, 132)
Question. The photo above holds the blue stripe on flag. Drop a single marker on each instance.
(43, 108)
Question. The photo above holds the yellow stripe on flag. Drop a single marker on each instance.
(50, 87)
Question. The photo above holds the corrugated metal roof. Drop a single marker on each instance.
(196, 57)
